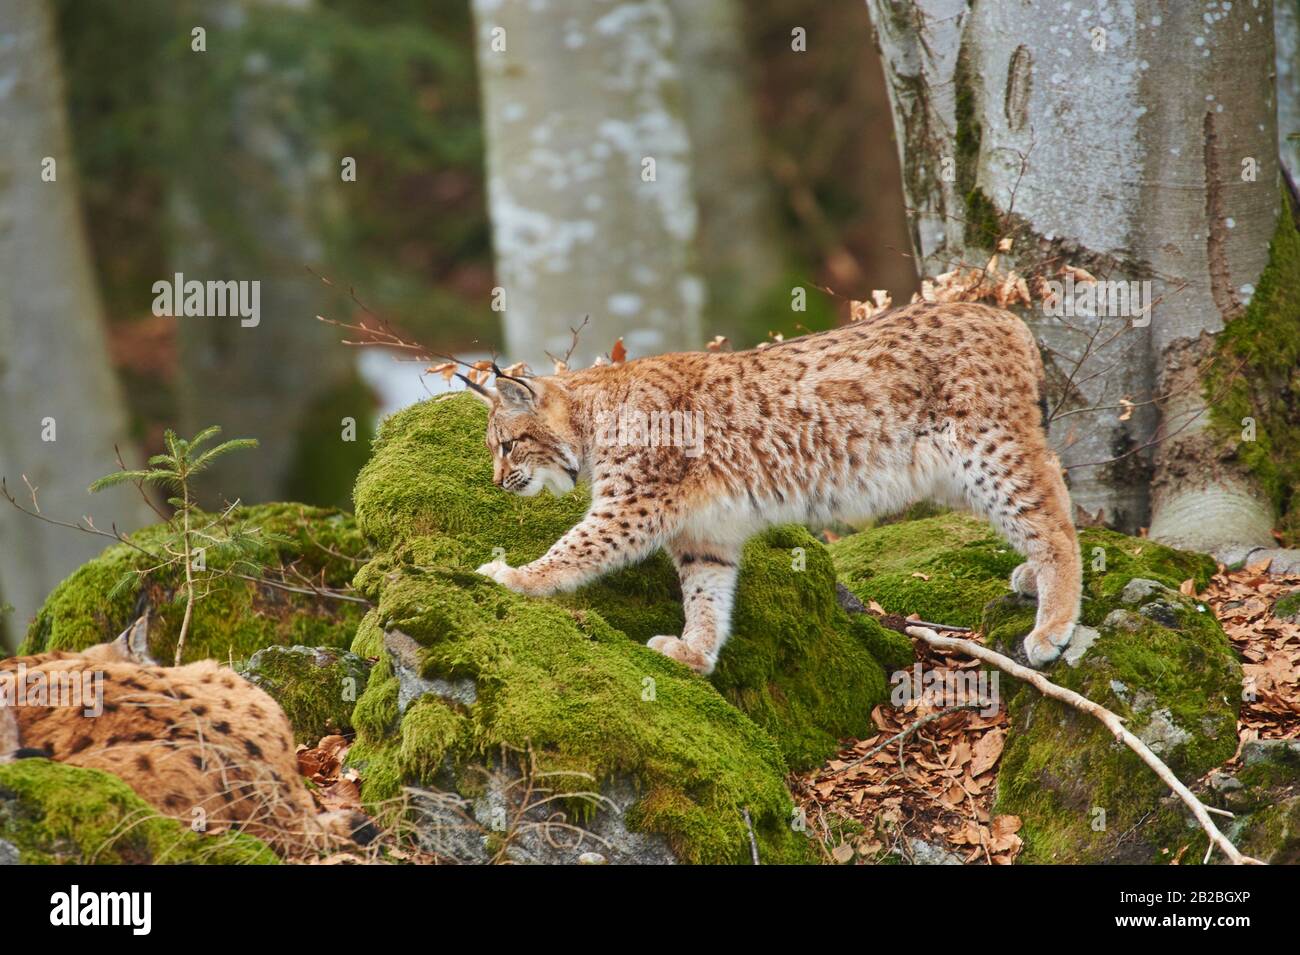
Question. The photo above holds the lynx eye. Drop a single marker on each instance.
(506, 446)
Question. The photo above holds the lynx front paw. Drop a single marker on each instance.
(502, 573)
(681, 651)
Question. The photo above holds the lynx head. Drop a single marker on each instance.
(530, 435)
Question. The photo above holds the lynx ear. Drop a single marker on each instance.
(517, 394)
(482, 394)
(131, 646)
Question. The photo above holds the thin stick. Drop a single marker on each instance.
(753, 843)
(908, 731)
(1111, 721)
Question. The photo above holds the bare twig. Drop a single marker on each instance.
(901, 736)
(1111, 721)
(753, 843)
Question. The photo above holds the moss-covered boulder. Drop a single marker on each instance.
(51, 813)
(468, 670)
(317, 687)
(237, 616)
(946, 568)
(796, 663)
(943, 568)
(1264, 795)
(1158, 659)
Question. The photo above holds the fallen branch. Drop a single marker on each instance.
(1112, 722)
(753, 843)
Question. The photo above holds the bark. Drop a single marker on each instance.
(1103, 138)
(739, 244)
(573, 106)
(53, 349)
(1286, 32)
(1208, 232)
(254, 214)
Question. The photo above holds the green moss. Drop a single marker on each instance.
(1272, 835)
(430, 730)
(947, 568)
(58, 814)
(1256, 374)
(317, 687)
(237, 617)
(430, 474)
(944, 568)
(1288, 606)
(584, 697)
(1176, 685)
(1111, 560)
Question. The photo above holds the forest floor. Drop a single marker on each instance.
(929, 796)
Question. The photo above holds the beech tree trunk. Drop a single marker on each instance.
(61, 409)
(254, 215)
(739, 245)
(1111, 139)
(589, 178)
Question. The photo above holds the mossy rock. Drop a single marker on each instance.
(236, 617)
(1288, 607)
(943, 568)
(947, 568)
(56, 814)
(796, 663)
(317, 687)
(585, 700)
(1155, 657)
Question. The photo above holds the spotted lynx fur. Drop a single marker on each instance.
(197, 742)
(930, 401)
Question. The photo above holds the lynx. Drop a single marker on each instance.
(198, 742)
(930, 401)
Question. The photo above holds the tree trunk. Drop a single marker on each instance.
(1112, 142)
(740, 250)
(250, 213)
(589, 178)
(55, 377)
(1286, 32)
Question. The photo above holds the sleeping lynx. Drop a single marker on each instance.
(696, 452)
(198, 742)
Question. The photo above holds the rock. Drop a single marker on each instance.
(317, 687)
(926, 853)
(1276, 752)
(1081, 642)
(51, 813)
(236, 617)
(592, 858)
(1150, 655)
(1287, 608)
(9, 854)
(1140, 590)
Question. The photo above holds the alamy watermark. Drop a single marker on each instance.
(940, 689)
(180, 298)
(78, 689)
(634, 427)
(1100, 298)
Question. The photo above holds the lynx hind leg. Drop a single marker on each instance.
(708, 574)
(1018, 487)
(1024, 580)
